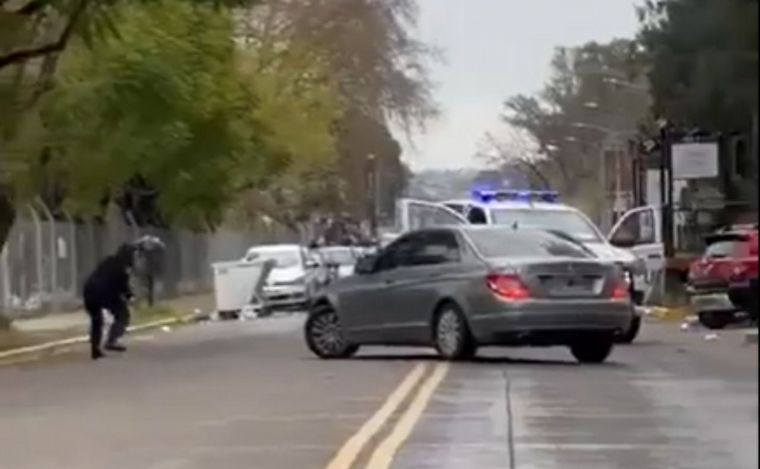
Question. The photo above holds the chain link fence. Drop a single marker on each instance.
(45, 261)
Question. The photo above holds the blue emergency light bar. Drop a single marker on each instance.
(486, 196)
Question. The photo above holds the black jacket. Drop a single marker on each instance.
(109, 282)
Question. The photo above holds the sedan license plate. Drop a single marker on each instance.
(575, 287)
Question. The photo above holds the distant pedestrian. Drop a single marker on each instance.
(149, 252)
(107, 288)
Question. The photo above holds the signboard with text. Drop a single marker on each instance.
(695, 160)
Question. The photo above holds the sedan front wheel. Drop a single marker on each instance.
(324, 335)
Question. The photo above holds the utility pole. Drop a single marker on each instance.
(374, 192)
(666, 203)
(754, 143)
(604, 220)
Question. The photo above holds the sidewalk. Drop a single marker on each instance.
(60, 326)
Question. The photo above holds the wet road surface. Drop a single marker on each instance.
(249, 395)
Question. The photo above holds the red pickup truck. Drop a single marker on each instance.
(720, 283)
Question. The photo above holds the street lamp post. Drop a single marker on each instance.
(374, 192)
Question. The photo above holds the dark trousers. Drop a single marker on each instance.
(120, 313)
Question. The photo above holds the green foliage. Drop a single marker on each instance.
(176, 94)
(174, 100)
(704, 60)
(296, 105)
(163, 100)
(581, 98)
(378, 65)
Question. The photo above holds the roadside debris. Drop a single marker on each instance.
(711, 337)
(690, 323)
(166, 329)
(248, 312)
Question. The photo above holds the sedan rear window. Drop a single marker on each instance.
(727, 247)
(524, 243)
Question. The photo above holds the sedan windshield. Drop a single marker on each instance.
(524, 243)
(569, 222)
(283, 259)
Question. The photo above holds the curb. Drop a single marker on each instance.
(48, 346)
(669, 314)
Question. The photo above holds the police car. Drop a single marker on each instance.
(529, 209)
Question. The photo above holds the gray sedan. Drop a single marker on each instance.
(462, 287)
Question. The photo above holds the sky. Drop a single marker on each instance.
(495, 49)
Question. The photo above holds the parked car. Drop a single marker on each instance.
(337, 261)
(743, 292)
(725, 270)
(292, 280)
(458, 288)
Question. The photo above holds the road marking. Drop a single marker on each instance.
(382, 457)
(348, 453)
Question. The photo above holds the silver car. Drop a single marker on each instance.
(458, 288)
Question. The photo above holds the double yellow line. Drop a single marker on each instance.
(382, 456)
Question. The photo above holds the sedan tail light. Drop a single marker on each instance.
(507, 287)
(621, 291)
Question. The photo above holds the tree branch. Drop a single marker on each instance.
(32, 7)
(58, 45)
(537, 172)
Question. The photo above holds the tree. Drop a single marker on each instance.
(514, 155)
(378, 71)
(379, 67)
(33, 36)
(703, 57)
(581, 110)
(164, 102)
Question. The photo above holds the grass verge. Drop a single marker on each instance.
(13, 338)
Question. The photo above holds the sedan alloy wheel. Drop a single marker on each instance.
(324, 335)
(452, 337)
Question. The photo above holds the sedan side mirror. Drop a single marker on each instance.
(366, 265)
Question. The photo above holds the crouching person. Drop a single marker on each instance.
(107, 288)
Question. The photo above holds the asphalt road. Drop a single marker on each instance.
(249, 395)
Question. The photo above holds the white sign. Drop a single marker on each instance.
(695, 160)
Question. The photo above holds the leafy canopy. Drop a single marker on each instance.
(162, 100)
(704, 61)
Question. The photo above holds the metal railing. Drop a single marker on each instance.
(46, 260)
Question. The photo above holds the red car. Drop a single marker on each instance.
(725, 273)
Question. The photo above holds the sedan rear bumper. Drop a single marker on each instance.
(551, 322)
(711, 302)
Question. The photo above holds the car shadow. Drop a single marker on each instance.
(477, 360)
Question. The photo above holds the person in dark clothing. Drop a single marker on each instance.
(149, 250)
(107, 287)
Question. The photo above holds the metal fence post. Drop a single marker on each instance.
(53, 255)
(38, 248)
(5, 273)
(72, 253)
